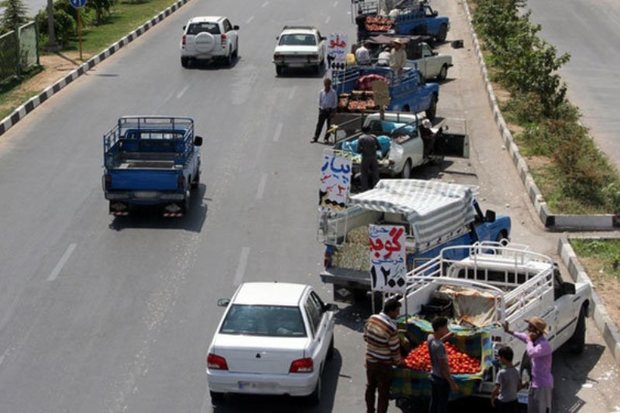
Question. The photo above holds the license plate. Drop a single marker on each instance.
(246, 385)
(145, 194)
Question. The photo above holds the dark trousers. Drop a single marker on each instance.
(378, 379)
(324, 115)
(369, 169)
(507, 407)
(440, 391)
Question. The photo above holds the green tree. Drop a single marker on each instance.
(15, 14)
(101, 8)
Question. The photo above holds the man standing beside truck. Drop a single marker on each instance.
(367, 146)
(382, 352)
(541, 354)
(441, 379)
(328, 101)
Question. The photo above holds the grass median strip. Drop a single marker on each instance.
(124, 18)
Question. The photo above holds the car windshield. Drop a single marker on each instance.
(297, 40)
(196, 28)
(264, 320)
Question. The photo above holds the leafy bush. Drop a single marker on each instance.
(14, 15)
(64, 24)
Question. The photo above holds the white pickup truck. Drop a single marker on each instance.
(431, 65)
(497, 283)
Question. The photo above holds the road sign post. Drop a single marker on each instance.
(77, 5)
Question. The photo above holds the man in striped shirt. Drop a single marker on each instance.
(382, 352)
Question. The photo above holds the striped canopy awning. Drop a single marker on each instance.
(432, 208)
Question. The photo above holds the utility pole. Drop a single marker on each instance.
(52, 44)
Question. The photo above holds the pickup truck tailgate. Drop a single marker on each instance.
(144, 180)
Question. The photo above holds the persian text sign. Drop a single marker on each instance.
(388, 269)
(335, 182)
(337, 46)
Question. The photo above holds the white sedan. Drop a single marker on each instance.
(274, 338)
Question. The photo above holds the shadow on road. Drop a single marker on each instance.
(234, 403)
(212, 65)
(151, 217)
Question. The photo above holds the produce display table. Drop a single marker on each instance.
(408, 383)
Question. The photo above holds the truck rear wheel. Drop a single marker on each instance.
(577, 342)
(443, 73)
(442, 34)
(406, 172)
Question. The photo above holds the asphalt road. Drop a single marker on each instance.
(589, 31)
(113, 315)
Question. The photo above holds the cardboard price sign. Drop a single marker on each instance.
(381, 93)
(388, 268)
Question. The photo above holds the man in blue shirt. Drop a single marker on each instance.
(328, 101)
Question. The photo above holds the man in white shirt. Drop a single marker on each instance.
(328, 101)
(362, 55)
(398, 58)
(384, 57)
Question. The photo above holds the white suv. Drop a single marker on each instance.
(299, 47)
(208, 38)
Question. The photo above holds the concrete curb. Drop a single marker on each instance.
(552, 221)
(32, 103)
(603, 322)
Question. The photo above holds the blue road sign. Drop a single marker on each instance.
(78, 3)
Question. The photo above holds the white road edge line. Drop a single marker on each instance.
(182, 92)
(265, 4)
(243, 262)
(276, 136)
(292, 92)
(249, 19)
(63, 260)
(327, 19)
(261, 187)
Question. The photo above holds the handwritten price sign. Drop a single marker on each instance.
(335, 182)
(337, 46)
(388, 269)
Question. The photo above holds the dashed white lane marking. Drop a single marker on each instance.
(261, 187)
(182, 92)
(243, 262)
(63, 260)
(249, 19)
(276, 136)
(292, 92)
(336, 3)
(3, 356)
(328, 19)
(265, 4)
(169, 96)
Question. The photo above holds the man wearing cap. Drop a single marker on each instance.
(398, 57)
(540, 353)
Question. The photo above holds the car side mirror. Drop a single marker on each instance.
(434, 12)
(489, 216)
(184, 28)
(235, 27)
(568, 288)
(323, 38)
(198, 141)
(330, 307)
(223, 302)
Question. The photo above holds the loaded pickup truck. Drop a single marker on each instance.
(419, 18)
(420, 55)
(435, 215)
(402, 146)
(409, 93)
(151, 160)
(478, 288)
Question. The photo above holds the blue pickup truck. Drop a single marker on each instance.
(409, 93)
(414, 17)
(151, 160)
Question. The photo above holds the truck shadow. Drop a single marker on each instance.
(285, 404)
(151, 217)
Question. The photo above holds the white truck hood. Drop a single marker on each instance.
(292, 50)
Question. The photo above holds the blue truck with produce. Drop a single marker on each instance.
(151, 160)
(408, 93)
(434, 214)
(416, 18)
